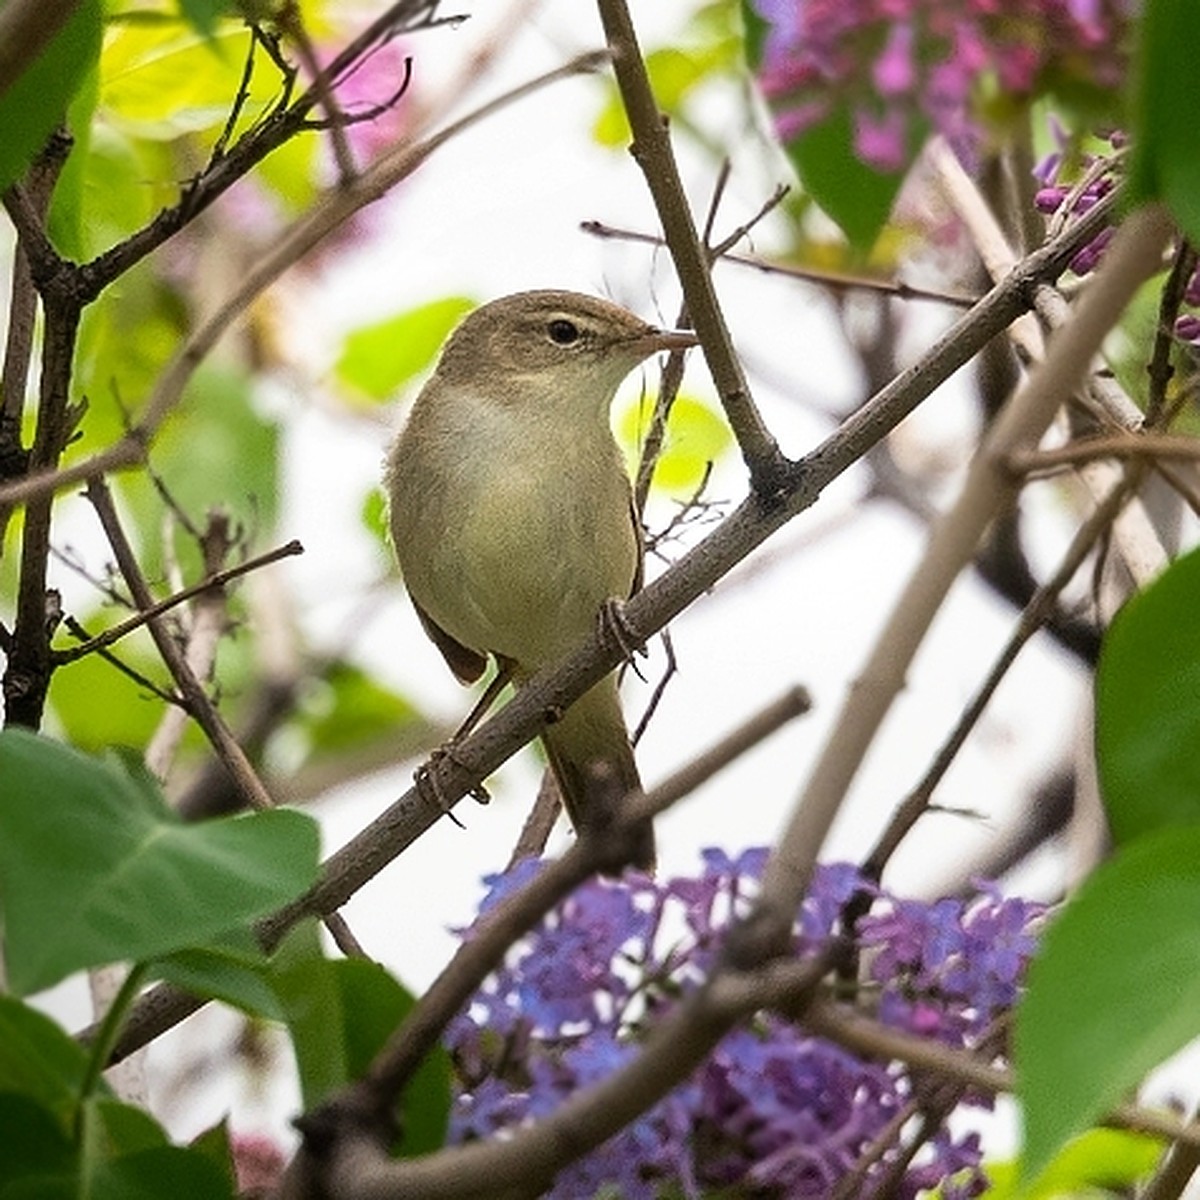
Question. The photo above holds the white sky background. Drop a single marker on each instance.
(497, 211)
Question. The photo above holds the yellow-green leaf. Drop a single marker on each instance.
(696, 437)
(377, 360)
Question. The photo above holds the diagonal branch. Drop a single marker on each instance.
(216, 580)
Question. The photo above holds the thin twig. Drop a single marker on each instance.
(217, 580)
(672, 375)
(77, 630)
(291, 21)
(1127, 445)
(1159, 370)
(535, 832)
(198, 702)
(670, 668)
(874, 1040)
(836, 281)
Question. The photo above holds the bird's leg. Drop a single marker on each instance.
(424, 778)
(499, 681)
(615, 628)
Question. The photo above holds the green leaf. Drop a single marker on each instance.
(755, 29)
(373, 1006)
(1114, 990)
(115, 1129)
(126, 338)
(65, 218)
(121, 183)
(856, 196)
(339, 1015)
(696, 438)
(377, 360)
(374, 517)
(291, 172)
(1112, 1159)
(203, 15)
(214, 1144)
(162, 1171)
(122, 1154)
(673, 75)
(309, 998)
(95, 869)
(39, 1060)
(1148, 706)
(162, 80)
(36, 102)
(219, 450)
(231, 968)
(1165, 99)
(36, 1156)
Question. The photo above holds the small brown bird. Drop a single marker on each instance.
(511, 511)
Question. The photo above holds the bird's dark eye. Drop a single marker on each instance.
(563, 332)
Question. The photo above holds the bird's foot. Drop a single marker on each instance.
(426, 780)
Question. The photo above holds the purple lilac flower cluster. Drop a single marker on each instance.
(1070, 181)
(906, 65)
(774, 1111)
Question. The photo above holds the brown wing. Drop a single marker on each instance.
(466, 664)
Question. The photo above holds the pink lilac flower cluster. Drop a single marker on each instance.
(903, 66)
(773, 1111)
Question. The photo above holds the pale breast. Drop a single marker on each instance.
(516, 552)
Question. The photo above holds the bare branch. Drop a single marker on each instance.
(651, 150)
(834, 281)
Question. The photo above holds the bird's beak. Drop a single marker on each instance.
(655, 340)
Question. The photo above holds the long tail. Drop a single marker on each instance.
(593, 731)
